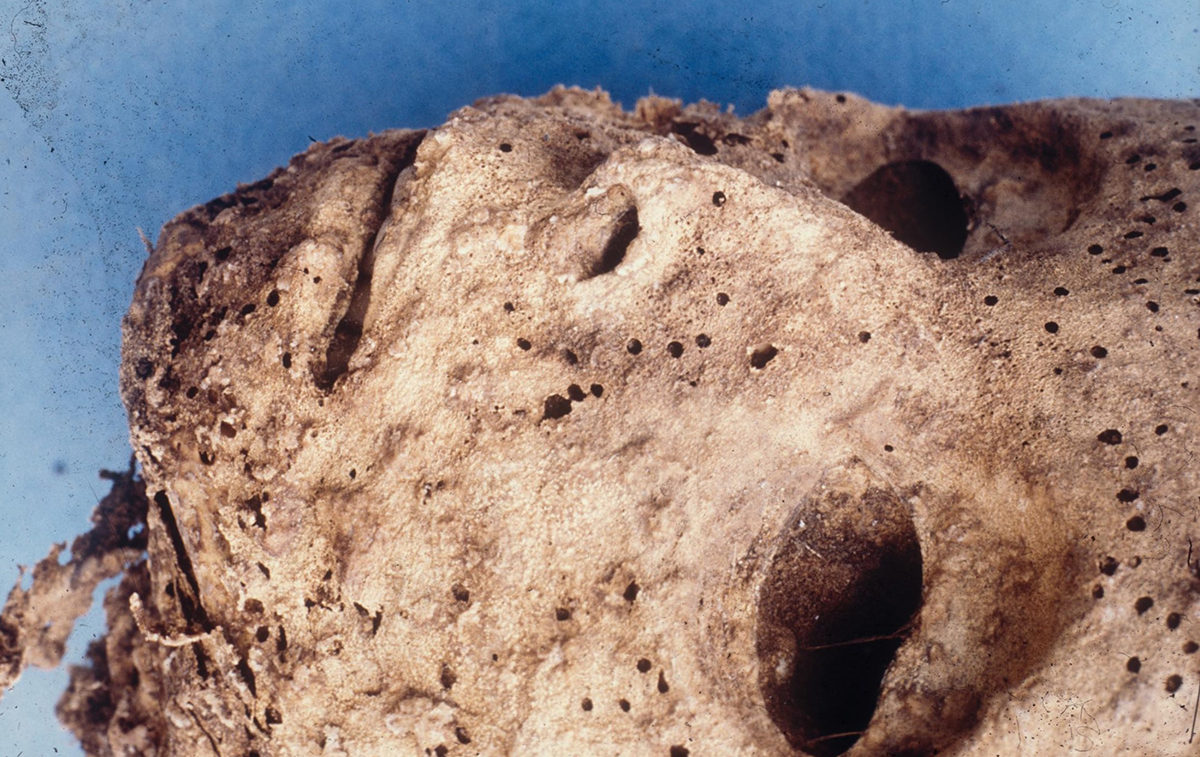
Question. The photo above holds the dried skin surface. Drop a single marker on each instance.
(560, 429)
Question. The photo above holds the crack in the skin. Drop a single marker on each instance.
(624, 231)
(349, 329)
(196, 612)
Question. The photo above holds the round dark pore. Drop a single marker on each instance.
(840, 597)
(918, 202)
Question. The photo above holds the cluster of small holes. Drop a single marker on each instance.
(643, 666)
(1136, 523)
(557, 406)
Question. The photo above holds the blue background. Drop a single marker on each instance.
(117, 114)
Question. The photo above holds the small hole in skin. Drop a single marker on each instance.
(1174, 681)
(633, 347)
(556, 406)
(586, 704)
(505, 147)
(643, 665)
(763, 355)
(718, 199)
(624, 703)
(1133, 664)
(722, 299)
(675, 349)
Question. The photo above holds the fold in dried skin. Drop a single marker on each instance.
(558, 429)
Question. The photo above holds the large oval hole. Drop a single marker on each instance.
(841, 595)
(917, 201)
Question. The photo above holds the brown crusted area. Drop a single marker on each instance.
(113, 703)
(563, 429)
(36, 622)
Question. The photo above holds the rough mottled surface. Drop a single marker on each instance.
(559, 429)
(36, 620)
